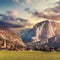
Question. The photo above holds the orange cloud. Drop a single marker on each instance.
(22, 1)
(28, 1)
(46, 15)
(13, 13)
(55, 17)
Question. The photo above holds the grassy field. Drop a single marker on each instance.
(29, 55)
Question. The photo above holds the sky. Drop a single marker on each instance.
(32, 10)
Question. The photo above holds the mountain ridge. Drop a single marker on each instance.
(42, 32)
(10, 38)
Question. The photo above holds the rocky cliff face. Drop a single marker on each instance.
(44, 32)
(8, 36)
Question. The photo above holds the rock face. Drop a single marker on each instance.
(42, 32)
(26, 35)
(7, 36)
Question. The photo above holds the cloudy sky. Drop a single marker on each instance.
(32, 10)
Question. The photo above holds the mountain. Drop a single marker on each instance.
(42, 32)
(8, 38)
(26, 35)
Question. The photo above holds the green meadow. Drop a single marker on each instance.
(29, 55)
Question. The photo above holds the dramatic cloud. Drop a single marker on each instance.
(55, 9)
(55, 17)
(46, 15)
(6, 17)
(13, 13)
(41, 14)
(49, 13)
(54, 13)
(11, 22)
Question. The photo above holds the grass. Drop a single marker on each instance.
(29, 55)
